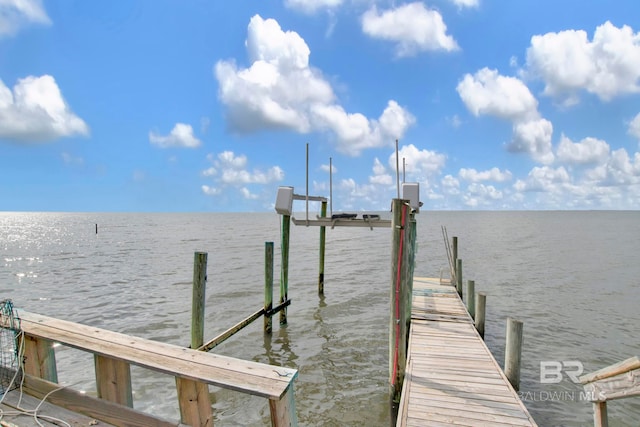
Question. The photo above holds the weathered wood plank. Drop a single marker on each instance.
(39, 358)
(245, 376)
(616, 387)
(113, 380)
(610, 371)
(283, 411)
(453, 377)
(99, 409)
(194, 402)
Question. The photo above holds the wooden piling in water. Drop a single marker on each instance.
(193, 396)
(323, 232)
(401, 286)
(513, 352)
(480, 312)
(471, 298)
(459, 277)
(454, 250)
(268, 285)
(198, 298)
(284, 266)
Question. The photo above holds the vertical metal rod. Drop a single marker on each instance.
(397, 170)
(404, 165)
(330, 187)
(307, 190)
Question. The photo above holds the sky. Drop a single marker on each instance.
(207, 106)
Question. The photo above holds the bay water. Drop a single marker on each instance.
(572, 277)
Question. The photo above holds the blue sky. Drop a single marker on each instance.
(208, 106)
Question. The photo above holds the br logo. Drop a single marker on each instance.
(551, 371)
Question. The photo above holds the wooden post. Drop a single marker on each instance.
(198, 300)
(401, 231)
(283, 411)
(193, 396)
(454, 250)
(39, 358)
(96, 228)
(480, 312)
(268, 286)
(600, 418)
(471, 298)
(459, 277)
(284, 266)
(113, 380)
(513, 352)
(323, 232)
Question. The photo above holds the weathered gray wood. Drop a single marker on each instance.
(227, 372)
(193, 395)
(113, 380)
(268, 286)
(471, 298)
(452, 377)
(609, 371)
(284, 266)
(454, 258)
(323, 233)
(513, 352)
(198, 301)
(100, 409)
(480, 312)
(459, 277)
(622, 385)
(600, 417)
(39, 358)
(213, 343)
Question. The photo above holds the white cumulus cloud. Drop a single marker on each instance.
(488, 92)
(421, 163)
(567, 62)
(180, 136)
(544, 179)
(36, 111)
(312, 6)
(412, 26)
(634, 127)
(493, 174)
(466, 3)
(585, 152)
(280, 90)
(15, 14)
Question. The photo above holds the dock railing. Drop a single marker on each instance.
(613, 382)
(114, 353)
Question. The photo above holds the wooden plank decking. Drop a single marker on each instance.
(452, 377)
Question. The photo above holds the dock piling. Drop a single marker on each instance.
(471, 298)
(284, 266)
(268, 286)
(513, 352)
(480, 312)
(323, 232)
(459, 277)
(198, 300)
(401, 286)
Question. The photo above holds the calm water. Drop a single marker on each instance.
(573, 278)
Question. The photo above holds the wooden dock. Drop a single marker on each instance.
(452, 378)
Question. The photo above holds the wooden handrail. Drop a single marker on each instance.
(612, 382)
(115, 351)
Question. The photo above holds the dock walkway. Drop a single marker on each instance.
(452, 378)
